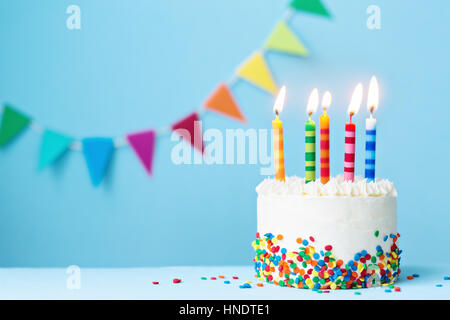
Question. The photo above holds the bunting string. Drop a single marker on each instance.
(97, 151)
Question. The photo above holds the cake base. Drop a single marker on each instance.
(319, 269)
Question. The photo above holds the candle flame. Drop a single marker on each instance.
(313, 101)
(279, 102)
(326, 100)
(356, 101)
(373, 95)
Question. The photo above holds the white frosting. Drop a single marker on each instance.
(335, 187)
(344, 215)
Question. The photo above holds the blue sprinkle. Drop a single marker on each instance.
(392, 236)
(245, 286)
(446, 278)
(357, 256)
(379, 248)
(321, 253)
(415, 275)
(283, 250)
(316, 256)
(364, 253)
(350, 262)
(226, 282)
(305, 242)
(439, 285)
(321, 263)
(317, 285)
(385, 238)
(388, 290)
(354, 268)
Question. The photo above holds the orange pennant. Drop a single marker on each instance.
(223, 102)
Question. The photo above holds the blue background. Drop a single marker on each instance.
(139, 64)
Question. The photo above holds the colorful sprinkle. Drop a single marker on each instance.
(204, 278)
(319, 270)
(439, 285)
(377, 233)
(260, 284)
(155, 282)
(397, 289)
(227, 282)
(176, 280)
(410, 277)
(415, 275)
(357, 293)
(388, 290)
(446, 278)
(213, 278)
(235, 277)
(222, 277)
(245, 286)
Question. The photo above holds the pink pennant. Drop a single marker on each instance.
(143, 144)
(191, 124)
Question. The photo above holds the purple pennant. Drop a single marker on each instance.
(143, 144)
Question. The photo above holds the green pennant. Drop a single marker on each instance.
(284, 40)
(312, 6)
(13, 122)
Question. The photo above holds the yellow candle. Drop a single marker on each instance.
(277, 129)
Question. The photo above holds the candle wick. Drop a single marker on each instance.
(371, 112)
(351, 115)
(276, 113)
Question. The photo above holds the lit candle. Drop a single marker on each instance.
(371, 129)
(353, 108)
(310, 138)
(325, 139)
(277, 129)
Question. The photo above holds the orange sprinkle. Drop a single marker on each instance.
(299, 240)
(259, 284)
(280, 237)
(339, 263)
(221, 277)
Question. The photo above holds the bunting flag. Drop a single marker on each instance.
(53, 146)
(284, 40)
(143, 144)
(13, 122)
(255, 70)
(192, 126)
(222, 101)
(97, 152)
(311, 6)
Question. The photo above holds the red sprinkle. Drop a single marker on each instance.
(176, 280)
(410, 277)
(311, 238)
(328, 247)
(235, 277)
(213, 278)
(397, 289)
(155, 282)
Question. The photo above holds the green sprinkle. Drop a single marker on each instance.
(319, 291)
(373, 259)
(377, 233)
(391, 286)
(203, 278)
(358, 293)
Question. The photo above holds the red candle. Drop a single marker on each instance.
(350, 129)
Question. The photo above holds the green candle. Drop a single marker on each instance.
(310, 138)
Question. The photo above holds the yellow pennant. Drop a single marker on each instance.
(255, 70)
(284, 40)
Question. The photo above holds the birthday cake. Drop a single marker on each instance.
(338, 235)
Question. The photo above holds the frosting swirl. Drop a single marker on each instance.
(337, 186)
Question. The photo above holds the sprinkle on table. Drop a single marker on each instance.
(410, 277)
(245, 286)
(388, 290)
(397, 289)
(415, 275)
(226, 282)
(377, 233)
(446, 278)
(204, 278)
(155, 282)
(235, 277)
(357, 293)
(176, 280)
(213, 278)
(260, 284)
(222, 277)
(439, 285)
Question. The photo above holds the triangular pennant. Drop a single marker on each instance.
(53, 146)
(312, 6)
(191, 124)
(222, 101)
(13, 122)
(143, 144)
(256, 71)
(284, 40)
(97, 152)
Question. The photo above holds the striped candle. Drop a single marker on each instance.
(310, 151)
(349, 161)
(277, 131)
(277, 127)
(350, 129)
(325, 140)
(371, 129)
(310, 137)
